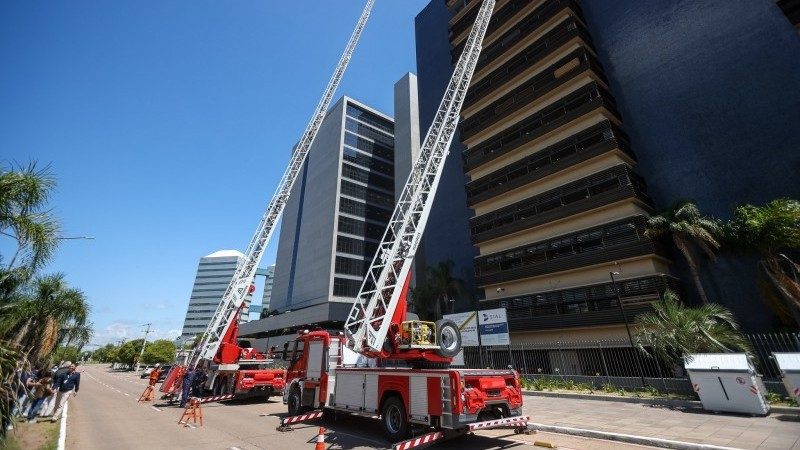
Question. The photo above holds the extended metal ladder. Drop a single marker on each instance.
(369, 319)
(243, 277)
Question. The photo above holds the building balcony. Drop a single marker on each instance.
(519, 31)
(600, 189)
(534, 53)
(500, 16)
(584, 100)
(528, 93)
(597, 140)
(613, 241)
(593, 305)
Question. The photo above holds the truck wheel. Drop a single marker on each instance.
(449, 338)
(294, 402)
(394, 419)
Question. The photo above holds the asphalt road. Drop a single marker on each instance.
(106, 414)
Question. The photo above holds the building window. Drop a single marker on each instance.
(370, 118)
(346, 288)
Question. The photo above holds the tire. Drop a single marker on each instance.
(394, 419)
(294, 401)
(449, 338)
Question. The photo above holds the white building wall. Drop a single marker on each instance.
(214, 273)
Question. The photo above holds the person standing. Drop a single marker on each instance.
(40, 393)
(186, 386)
(67, 385)
(154, 374)
(200, 378)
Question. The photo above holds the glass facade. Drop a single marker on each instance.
(366, 199)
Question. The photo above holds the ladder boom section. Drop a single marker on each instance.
(243, 277)
(370, 317)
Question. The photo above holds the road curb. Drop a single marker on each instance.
(626, 438)
(646, 401)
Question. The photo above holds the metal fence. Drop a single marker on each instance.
(615, 362)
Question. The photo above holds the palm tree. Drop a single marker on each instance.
(24, 192)
(688, 229)
(444, 287)
(673, 330)
(33, 320)
(770, 231)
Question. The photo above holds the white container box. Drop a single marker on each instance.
(727, 382)
(789, 365)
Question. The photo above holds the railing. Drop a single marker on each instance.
(534, 53)
(610, 242)
(521, 30)
(584, 100)
(592, 305)
(587, 144)
(602, 188)
(548, 80)
(616, 363)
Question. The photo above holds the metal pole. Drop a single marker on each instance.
(627, 328)
(146, 332)
(480, 344)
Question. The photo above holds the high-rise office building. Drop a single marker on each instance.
(573, 106)
(334, 219)
(269, 282)
(338, 212)
(214, 273)
(552, 185)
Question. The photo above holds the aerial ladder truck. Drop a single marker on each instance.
(231, 368)
(410, 383)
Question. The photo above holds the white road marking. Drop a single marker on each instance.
(62, 432)
(235, 448)
(155, 408)
(127, 394)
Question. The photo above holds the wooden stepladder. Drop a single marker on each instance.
(147, 395)
(192, 412)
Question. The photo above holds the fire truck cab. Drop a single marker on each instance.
(324, 374)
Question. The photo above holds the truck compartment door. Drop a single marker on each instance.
(315, 350)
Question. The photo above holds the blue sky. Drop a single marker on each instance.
(168, 125)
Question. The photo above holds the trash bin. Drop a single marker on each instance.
(727, 382)
(789, 365)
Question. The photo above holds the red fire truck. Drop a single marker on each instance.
(324, 373)
(420, 388)
(237, 370)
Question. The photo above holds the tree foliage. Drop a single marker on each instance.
(673, 330)
(160, 351)
(24, 216)
(105, 354)
(128, 352)
(689, 230)
(46, 314)
(38, 313)
(772, 232)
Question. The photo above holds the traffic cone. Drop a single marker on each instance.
(320, 439)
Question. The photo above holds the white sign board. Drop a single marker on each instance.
(468, 326)
(493, 325)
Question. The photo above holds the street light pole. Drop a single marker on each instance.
(141, 352)
(627, 327)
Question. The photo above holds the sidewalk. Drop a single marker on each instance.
(774, 432)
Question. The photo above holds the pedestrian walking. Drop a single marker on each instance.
(67, 385)
(41, 392)
(186, 386)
